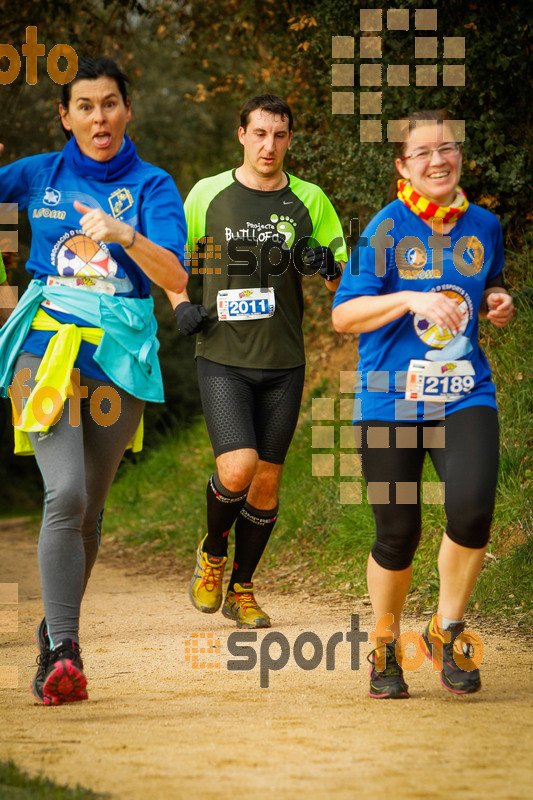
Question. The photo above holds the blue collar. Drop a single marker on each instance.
(121, 163)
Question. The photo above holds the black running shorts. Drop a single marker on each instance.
(250, 408)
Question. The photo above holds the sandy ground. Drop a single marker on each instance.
(156, 726)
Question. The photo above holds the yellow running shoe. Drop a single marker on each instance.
(240, 605)
(205, 589)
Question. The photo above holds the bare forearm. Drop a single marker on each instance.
(162, 266)
(363, 314)
(159, 264)
(177, 297)
(368, 313)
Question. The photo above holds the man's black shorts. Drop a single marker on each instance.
(250, 408)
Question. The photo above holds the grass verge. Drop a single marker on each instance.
(16, 785)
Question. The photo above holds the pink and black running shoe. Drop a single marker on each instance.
(59, 678)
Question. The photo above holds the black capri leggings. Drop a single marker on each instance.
(255, 408)
(464, 449)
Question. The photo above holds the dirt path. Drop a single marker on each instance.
(156, 727)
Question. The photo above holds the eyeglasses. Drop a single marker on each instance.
(445, 150)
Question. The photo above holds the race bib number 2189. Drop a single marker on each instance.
(444, 381)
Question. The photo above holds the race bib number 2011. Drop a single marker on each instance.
(444, 381)
(237, 305)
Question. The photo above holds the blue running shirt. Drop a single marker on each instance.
(144, 196)
(413, 262)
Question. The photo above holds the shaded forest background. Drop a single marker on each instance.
(193, 64)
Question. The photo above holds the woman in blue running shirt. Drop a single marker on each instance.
(104, 226)
(427, 266)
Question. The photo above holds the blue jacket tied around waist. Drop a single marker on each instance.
(127, 352)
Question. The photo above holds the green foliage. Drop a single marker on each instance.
(176, 355)
(504, 588)
(237, 50)
(505, 585)
(16, 785)
(193, 65)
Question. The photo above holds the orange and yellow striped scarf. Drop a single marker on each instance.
(427, 209)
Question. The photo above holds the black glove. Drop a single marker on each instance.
(322, 260)
(190, 318)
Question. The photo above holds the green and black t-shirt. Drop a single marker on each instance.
(241, 238)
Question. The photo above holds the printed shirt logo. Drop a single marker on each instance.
(280, 229)
(51, 196)
(83, 263)
(49, 213)
(475, 254)
(120, 201)
(79, 255)
(434, 336)
(285, 227)
(416, 258)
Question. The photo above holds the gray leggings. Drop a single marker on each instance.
(78, 464)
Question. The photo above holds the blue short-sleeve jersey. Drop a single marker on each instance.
(144, 197)
(398, 251)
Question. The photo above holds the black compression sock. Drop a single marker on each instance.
(252, 532)
(223, 507)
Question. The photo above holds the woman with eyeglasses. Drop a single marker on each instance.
(426, 267)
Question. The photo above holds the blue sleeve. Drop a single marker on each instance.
(15, 181)
(162, 217)
(497, 254)
(360, 276)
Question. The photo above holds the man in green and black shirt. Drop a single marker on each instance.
(253, 234)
